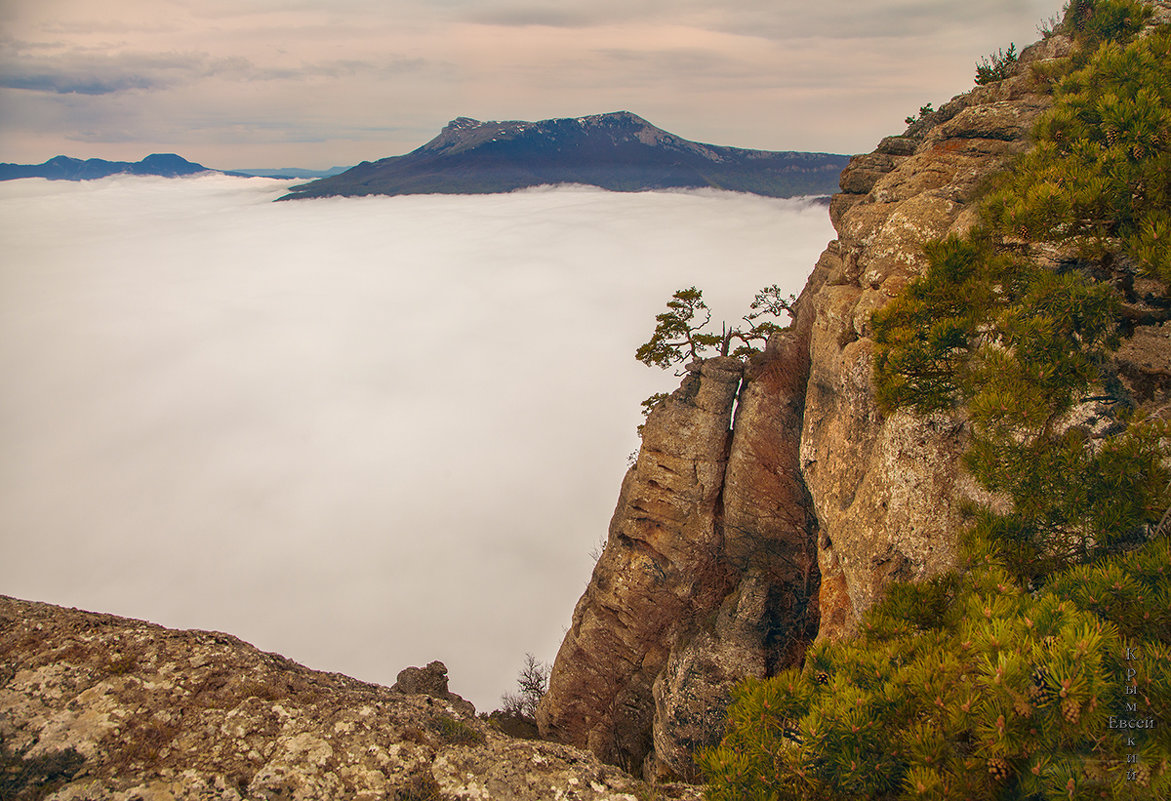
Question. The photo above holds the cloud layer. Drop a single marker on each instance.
(366, 433)
(262, 83)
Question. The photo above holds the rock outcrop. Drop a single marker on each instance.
(773, 504)
(102, 708)
(887, 489)
(703, 580)
(431, 680)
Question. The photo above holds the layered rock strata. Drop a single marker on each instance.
(103, 708)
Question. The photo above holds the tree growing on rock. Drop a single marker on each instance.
(518, 714)
(531, 684)
(680, 337)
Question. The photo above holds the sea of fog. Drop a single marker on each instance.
(366, 432)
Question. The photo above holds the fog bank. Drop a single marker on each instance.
(363, 432)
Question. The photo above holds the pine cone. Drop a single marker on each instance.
(1040, 693)
(1071, 710)
(998, 769)
(822, 677)
(1142, 774)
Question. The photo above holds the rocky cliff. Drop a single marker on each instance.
(772, 502)
(102, 708)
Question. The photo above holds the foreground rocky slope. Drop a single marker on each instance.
(99, 707)
(774, 501)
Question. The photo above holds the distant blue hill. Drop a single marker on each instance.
(166, 165)
(64, 168)
(618, 151)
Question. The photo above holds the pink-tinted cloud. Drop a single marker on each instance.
(386, 76)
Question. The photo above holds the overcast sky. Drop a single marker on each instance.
(317, 83)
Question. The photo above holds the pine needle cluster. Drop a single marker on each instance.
(1001, 680)
(1099, 177)
(997, 66)
(970, 687)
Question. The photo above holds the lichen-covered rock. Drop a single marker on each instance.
(430, 680)
(101, 708)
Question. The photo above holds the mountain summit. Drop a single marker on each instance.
(618, 151)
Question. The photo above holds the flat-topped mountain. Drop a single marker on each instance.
(619, 151)
(64, 168)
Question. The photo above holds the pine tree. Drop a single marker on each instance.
(999, 681)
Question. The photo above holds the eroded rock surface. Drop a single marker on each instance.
(733, 545)
(887, 489)
(101, 708)
(708, 574)
(430, 680)
(659, 570)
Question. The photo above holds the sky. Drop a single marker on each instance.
(235, 84)
(365, 433)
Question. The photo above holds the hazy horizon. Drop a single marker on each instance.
(363, 432)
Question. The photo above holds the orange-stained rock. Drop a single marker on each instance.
(660, 567)
(887, 488)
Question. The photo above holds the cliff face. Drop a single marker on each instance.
(887, 488)
(701, 582)
(772, 504)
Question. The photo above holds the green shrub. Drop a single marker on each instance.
(1019, 346)
(1095, 21)
(924, 111)
(1097, 177)
(968, 688)
(999, 681)
(997, 66)
(454, 731)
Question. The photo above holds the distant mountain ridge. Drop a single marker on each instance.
(618, 151)
(64, 168)
(166, 165)
(288, 172)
